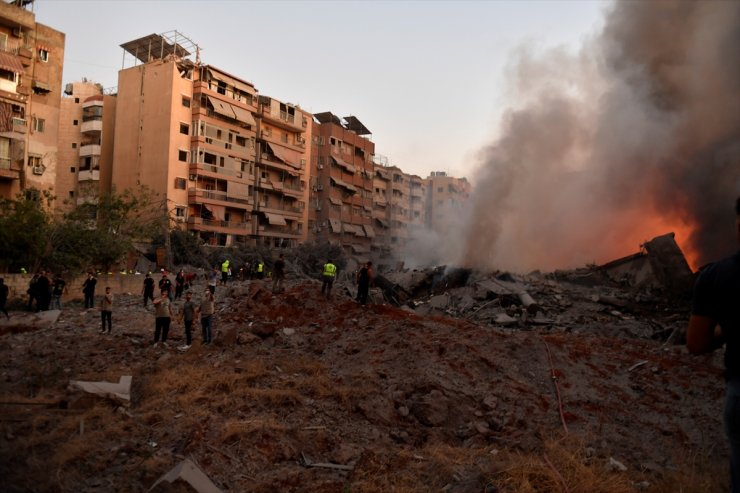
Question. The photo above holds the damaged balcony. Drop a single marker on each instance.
(232, 227)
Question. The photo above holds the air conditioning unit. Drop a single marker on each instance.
(192, 177)
(321, 166)
(38, 170)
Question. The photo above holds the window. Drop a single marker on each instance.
(77, 100)
(241, 141)
(34, 160)
(186, 102)
(4, 153)
(72, 169)
(184, 128)
(180, 183)
(179, 211)
(74, 122)
(74, 145)
(43, 54)
(284, 137)
(39, 124)
(71, 194)
(182, 156)
(440, 189)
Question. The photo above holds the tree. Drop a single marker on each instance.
(24, 231)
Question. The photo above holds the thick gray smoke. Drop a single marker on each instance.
(637, 135)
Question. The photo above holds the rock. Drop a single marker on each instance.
(490, 401)
(263, 331)
(504, 319)
(288, 332)
(482, 427)
(439, 302)
(120, 391)
(226, 337)
(615, 466)
(432, 409)
(377, 409)
(403, 411)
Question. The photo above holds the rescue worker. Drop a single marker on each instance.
(328, 275)
(260, 270)
(225, 272)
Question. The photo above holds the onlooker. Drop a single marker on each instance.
(106, 310)
(3, 297)
(714, 322)
(179, 284)
(166, 285)
(328, 274)
(364, 278)
(163, 317)
(43, 292)
(206, 310)
(187, 315)
(148, 289)
(32, 291)
(57, 290)
(213, 280)
(88, 289)
(277, 278)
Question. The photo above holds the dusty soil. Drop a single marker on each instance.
(410, 402)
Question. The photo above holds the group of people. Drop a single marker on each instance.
(45, 293)
(364, 277)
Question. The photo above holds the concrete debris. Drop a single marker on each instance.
(28, 322)
(615, 466)
(187, 472)
(120, 391)
(306, 462)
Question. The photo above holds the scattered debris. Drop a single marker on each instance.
(191, 474)
(120, 390)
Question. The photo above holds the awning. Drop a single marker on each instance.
(232, 81)
(10, 63)
(344, 165)
(41, 85)
(275, 219)
(383, 174)
(335, 201)
(222, 108)
(369, 231)
(335, 225)
(243, 115)
(367, 208)
(343, 184)
(382, 223)
(281, 155)
(349, 228)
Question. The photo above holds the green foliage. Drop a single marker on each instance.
(97, 233)
(24, 232)
(187, 249)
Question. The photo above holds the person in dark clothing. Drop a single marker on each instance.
(43, 292)
(364, 278)
(166, 285)
(179, 284)
(3, 297)
(57, 290)
(148, 289)
(88, 289)
(106, 310)
(32, 291)
(279, 274)
(715, 321)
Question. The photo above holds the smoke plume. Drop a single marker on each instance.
(635, 136)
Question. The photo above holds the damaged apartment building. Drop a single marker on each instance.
(228, 162)
(31, 60)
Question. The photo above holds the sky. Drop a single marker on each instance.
(428, 78)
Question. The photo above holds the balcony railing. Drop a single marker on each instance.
(219, 224)
(218, 170)
(221, 196)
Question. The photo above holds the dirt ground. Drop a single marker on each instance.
(407, 402)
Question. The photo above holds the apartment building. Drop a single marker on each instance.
(342, 172)
(381, 205)
(417, 203)
(229, 164)
(399, 201)
(86, 131)
(31, 59)
(446, 199)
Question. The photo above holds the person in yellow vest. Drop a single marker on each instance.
(260, 269)
(224, 271)
(328, 275)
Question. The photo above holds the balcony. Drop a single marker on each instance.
(280, 231)
(218, 172)
(294, 212)
(89, 150)
(292, 123)
(8, 171)
(232, 227)
(200, 196)
(294, 190)
(91, 126)
(88, 175)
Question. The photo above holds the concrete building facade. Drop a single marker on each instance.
(446, 199)
(31, 60)
(342, 171)
(228, 163)
(86, 138)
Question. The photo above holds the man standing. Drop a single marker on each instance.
(58, 288)
(187, 314)
(32, 292)
(43, 292)
(179, 284)
(206, 310)
(279, 275)
(88, 289)
(106, 310)
(162, 317)
(225, 272)
(4, 297)
(364, 278)
(328, 274)
(212, 281)
(714, 321)
(165, 284)
(148, 289)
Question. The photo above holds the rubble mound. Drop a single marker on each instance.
(303, 393)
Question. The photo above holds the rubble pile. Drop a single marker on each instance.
(303, 393)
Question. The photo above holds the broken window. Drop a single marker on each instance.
(186, 102)
(180, 183)
(43, 54)
(182, 156)
(92, 113)
(39, 124)
(184, 128)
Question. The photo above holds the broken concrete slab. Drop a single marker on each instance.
(120, 391)
(669, 264)
(191, 474)
(28, 321)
